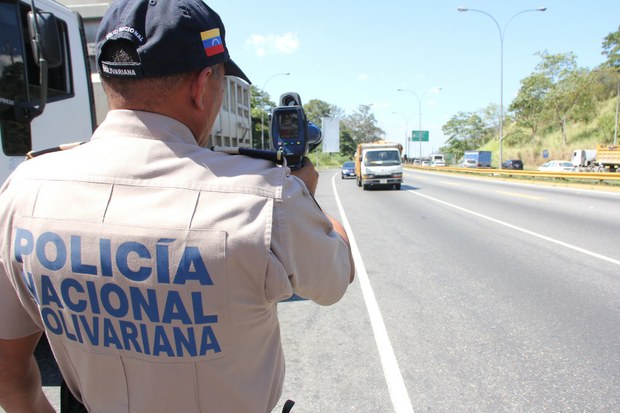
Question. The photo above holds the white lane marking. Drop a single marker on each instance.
(525, 231)
(519, 195)
(393, 376)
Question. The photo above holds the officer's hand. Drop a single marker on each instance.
(308, 174)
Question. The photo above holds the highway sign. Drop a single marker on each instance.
(419, 136)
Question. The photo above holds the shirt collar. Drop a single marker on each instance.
(145, 125)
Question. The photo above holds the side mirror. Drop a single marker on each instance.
(45, 42)
(45, 39)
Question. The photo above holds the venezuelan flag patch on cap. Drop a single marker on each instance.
(212, 42)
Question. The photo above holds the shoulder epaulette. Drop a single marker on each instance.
(63, 147)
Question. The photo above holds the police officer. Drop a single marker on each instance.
(153, 265)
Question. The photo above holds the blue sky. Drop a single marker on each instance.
(349, 53)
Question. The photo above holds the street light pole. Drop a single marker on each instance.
(617, 107)
(262, 113)
(501, 77)
(419, 98)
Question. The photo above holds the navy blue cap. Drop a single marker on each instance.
(169, 36)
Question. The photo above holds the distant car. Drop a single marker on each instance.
(438, 163)
(513, 164)
(426, 163)
(556, 166)
(347, 170)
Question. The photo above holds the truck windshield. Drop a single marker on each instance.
(471, 156)
(383, 158)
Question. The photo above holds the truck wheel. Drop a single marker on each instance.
(397, 187)
(365, 187)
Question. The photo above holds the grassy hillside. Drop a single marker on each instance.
(518, 144)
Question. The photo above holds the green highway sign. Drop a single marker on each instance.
(419, 136)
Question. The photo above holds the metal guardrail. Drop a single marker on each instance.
(569, 175)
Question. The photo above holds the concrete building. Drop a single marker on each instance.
(233, 125)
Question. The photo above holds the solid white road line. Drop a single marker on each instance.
(395, 382)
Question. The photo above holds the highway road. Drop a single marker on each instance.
(472, 295)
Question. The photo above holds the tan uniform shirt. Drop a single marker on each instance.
(155, 267)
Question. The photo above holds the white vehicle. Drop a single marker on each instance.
(438, 163)
(437, 157)
(46, 97)
(477, 159)
(556, 166)
(379, 164)
(583, 158)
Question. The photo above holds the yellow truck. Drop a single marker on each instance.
(379, 164)
(607, 158)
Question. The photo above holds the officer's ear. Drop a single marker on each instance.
(198, 88)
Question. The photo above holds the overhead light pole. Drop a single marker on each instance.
(617, 108)
(419, 99)
(262, 113)
(501, 77)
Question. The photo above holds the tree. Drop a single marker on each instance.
(529, 105)
(347, 144)
(490, 116)
(363, 125)
(465, 131)
(261, 107)
(566, 89)
(611, 49)
(316, 109)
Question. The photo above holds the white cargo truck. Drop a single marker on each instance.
(379, 164)
(583, 159)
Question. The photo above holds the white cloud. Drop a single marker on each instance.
(363, 76)
(273, 44)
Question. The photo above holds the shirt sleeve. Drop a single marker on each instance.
(15, 321)
(314, 256)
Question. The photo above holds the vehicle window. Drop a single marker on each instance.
(383, 157)
(12, 74)
(15, 135)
